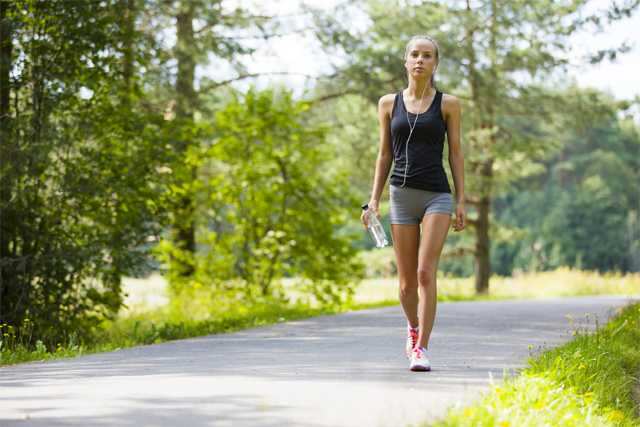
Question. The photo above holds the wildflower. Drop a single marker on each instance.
(469, 412)
(615, 416)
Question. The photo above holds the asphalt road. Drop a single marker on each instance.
(343, 370)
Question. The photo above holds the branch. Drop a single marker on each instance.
(334, 95)
(471, 222)
(458, 252)
(285, 15)
(215, 85)
(261, 36)
(231, 18)
(471, 200)
(352, 91)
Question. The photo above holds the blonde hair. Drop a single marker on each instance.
(435, 44)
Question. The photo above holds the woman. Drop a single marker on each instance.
(413, 123)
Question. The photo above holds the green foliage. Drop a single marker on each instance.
(582, 211)
(79, 195)
(588, 381)
(379, 262)
(268, 206)
(355, 138)
(603, 365)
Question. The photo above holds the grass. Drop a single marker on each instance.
(589, 381)
(562, 282)
(159, 325)
(163, 324)
(150, 318)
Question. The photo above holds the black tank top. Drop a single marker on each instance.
(425, 171)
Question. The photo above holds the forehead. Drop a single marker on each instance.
(422, 45)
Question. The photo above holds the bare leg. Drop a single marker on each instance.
(406, 239)
(434, 233)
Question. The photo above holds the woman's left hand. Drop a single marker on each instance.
(459, 222)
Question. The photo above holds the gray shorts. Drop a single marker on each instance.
(408, 205)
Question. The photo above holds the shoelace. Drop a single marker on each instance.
(414, 337)
(419, 353)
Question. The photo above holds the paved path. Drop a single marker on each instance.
(344, 370)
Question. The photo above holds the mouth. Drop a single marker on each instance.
(418, 68)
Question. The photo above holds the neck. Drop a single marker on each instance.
(419, 88)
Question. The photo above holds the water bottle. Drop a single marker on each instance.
(375, 228)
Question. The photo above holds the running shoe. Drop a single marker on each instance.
(412, 339)
(419, 361)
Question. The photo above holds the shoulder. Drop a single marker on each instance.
(385, 103)
(450, 104)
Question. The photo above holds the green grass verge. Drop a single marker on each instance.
(155, 327)
(589, 381)
(161, 325)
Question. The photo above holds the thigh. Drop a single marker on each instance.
(435, 227)
(406, 238)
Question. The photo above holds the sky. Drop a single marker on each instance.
(299, 53)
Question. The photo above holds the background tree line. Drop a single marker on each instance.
(116, 160)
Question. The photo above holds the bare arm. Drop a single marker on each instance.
(385, 155)
(456, 158)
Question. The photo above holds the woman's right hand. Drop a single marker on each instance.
(373, 205)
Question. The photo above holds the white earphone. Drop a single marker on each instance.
(411, 128)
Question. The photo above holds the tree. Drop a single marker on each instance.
(201, 29)
(78, 155)
(581, 212)
(270, 208)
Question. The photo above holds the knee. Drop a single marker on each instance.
(426, 277)
(407, 288)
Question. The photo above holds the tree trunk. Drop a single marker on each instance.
(5, 150)
(128, 25)
(183, 228)
(483, 242)
(484, 119)
(482, 250)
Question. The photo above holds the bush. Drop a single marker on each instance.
(271, 206)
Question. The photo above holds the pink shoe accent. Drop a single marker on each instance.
(419, 361)
(420, 352)
(412, 340)
(414, 336)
